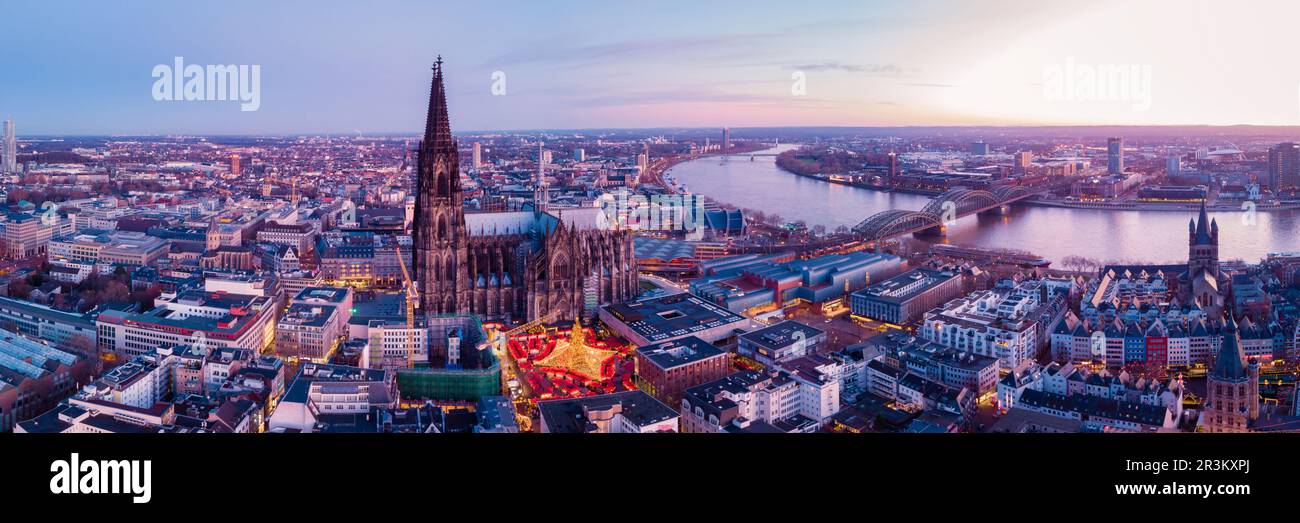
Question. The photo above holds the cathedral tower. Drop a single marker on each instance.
(1203, 244)
(1232, 387)
(439, 226)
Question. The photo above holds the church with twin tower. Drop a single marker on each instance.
(517, 265)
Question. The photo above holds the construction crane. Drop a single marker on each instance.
(412, 303)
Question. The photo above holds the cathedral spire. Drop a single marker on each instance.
(437, 125)
(1203, 227)
(1231, 361)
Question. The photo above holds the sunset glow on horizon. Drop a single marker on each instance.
(575, 66)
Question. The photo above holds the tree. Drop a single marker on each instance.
(115, 292)
(1078, 263)
(19, 289)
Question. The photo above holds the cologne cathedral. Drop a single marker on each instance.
(519, 265)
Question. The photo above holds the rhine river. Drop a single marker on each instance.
(1051, 232)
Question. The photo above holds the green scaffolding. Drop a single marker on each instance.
(441, 384)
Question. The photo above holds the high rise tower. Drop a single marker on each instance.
(439, 228)
(10, 153)
(541, 192)
(1115, 156)
(1283, 167)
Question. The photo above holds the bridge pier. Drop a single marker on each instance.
(938, 231)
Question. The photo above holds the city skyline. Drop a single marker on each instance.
(840, 220)
(343, 70)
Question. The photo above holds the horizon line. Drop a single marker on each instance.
(691, 128)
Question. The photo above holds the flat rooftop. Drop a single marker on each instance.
(675, 353)
(329, 294)
(664, 317)
(570, 415)
(781, 335)
(907, 285)
(308, 314)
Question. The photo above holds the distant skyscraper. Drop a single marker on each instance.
(1115, 155)
(1284, 167)
(1173, 165)
(979, 148)
(478, 155)
(234, 164)
(10, 164)
(1023, 159)
(579, 155)
(541, 193)
(893, 168)
(726, 139)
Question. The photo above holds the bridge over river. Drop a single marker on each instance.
(942, 211)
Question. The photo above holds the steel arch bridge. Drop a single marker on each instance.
(950, 206)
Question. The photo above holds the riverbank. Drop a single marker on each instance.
(659, 172)
(1102, 206)
(1157, 207)
(827, 179)
(1052, 232)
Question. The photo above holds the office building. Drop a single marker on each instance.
(34, 377)
(999, 323)
(309, 332)
(627, 412)
(780, 343)
(363, 257)
(9, 156)
(1115, 156)
(757, 283)
(300, 236)
(331, 389)
(68, 330)
(903, 298)
(108, 248)
(672, 317)
(215, 319)
(1284, 167)
(748, 402)
(26, 235)
(666, 369)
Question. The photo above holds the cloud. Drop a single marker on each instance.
(561, 51)
(873, 69)
(691, 96)
(622, 51)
